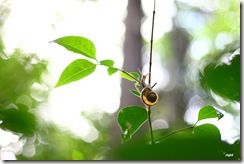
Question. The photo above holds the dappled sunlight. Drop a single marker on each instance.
(223, 39)
(78, 121)
(199, 48)
(159, 124)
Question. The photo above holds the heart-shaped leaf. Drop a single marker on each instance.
(207, 131)
(207, 112)
(130, 119)
(76, 70)
(78, 44)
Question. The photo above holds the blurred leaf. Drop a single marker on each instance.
(18, 121)
(109, 63)
(78, 45)
(135, 92)
(207, 112)
(223, 79)
(130, 119)
(76, 70)
(18, 73)
(77, 155)
(207, 131)
(187, 147)
(133, 74)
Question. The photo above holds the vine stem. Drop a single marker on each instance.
(123, 71)
(127, 73)
(150, 68)
(176, 131)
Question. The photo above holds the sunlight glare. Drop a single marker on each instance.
(33, 26)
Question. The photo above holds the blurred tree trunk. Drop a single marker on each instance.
(176, 65)
(132, 59)
(132, 50)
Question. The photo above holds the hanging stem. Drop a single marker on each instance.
(151, 44)
(149, 79)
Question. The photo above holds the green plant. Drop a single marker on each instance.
(130, 118)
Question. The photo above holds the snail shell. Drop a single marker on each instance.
(148, 96)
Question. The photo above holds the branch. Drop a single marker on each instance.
(150, 67)
(121, 70)
(176, 131)
(151, 44)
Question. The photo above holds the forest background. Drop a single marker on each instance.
(78, 121)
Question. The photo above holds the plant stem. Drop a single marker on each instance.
(150, 68)
(151, 44)
(176, 131)
(121, 70)
(127, 73)
(150, 124)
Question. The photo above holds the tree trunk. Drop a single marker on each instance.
(132, 51)
(132, 60)
(174, 99)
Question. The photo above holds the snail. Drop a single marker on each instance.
(148, 96)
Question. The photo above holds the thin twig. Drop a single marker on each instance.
(149, 79)
(176, 131)
(151, 44)
(121, 70)
(127, 73)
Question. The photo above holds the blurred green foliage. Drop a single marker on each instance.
(17, 74)
(19, 71)
(217, 71)
(18, 121)
(223, 77)
(181, 146)
(53, 143)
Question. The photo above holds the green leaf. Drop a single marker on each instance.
(109, 63)
(76, 70)
(223, 78)
(207, 131)
(18, 121)
(207, 112)
(112, 70)
(78, 45)
(133, 74)
(135, 92)
(130, 119)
